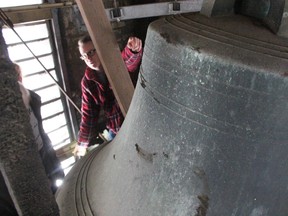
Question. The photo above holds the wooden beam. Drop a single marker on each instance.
(102, 35)
(28, 16)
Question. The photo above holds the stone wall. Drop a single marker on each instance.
(20, 163)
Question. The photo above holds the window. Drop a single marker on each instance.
(12, 3)
(37, 79)
(39, 38)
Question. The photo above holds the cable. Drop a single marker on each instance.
(9, 24)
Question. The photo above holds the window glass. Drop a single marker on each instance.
(49, 93)
(12, 3)
(54, 123)
(32, 66)
(51, 108)
(59, 136)
(20, 51)
(24, 31)
(39, 80)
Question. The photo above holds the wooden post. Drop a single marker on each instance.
(102, 35)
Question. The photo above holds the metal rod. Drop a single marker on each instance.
(8, 22)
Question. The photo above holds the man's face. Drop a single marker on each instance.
(89, 55)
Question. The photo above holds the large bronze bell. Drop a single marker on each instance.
(206, 132)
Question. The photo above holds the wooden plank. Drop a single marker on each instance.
(102, 35)
(28, 16)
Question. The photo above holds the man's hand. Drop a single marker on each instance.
(79, 151)
(134, 44)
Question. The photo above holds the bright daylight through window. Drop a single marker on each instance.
(39, 38)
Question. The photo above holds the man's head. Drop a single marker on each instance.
(88, 52)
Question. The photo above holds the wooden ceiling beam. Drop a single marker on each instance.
(29, 16)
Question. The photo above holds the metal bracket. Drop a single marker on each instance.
(174, 7)
(116, 13)
(153, 9)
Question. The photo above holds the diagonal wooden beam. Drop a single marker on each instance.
(102, 35)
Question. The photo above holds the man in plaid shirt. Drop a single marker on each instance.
(97, 92)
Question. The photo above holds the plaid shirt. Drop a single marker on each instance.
(96, 94)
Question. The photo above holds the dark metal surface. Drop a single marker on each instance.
(206, 132)
(269, 11)
(217, 7)
(272, 13)
(258, 9)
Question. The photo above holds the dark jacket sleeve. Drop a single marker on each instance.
(50, 161)
(7, 207)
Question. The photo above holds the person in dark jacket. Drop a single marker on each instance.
(50, 161)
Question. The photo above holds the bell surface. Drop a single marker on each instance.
(206, 132)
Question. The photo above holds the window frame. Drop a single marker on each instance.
(51, 19)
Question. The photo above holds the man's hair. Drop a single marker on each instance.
(84, 39)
